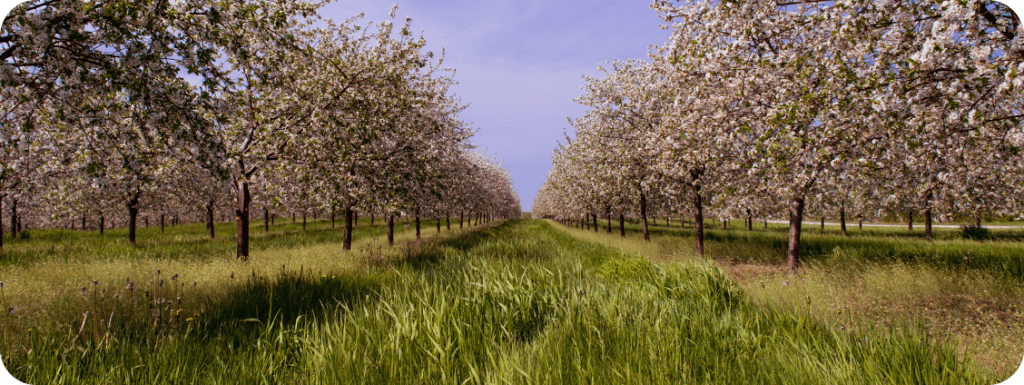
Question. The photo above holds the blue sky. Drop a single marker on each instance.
(520, 64)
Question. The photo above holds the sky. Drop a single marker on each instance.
(520, 64)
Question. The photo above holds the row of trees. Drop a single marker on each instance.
(847, 108)
(114, 107)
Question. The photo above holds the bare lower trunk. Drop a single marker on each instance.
(928, 217)
(102, 224)
(14, 219)
(910, 220)
(371, 218)
(242, 202)
(417, 224)
(608, 211)
(83, 224)
(842, 219)
(750, 220)
(698, 221)
(209, 218)
(161, 223)
(977, 220)
(796, 216)
(2, 222)
(332, 217)
(266, 220)
(438, 220)
(391, 229)
(643, 215)
(448, 221)
(596, 226)
(303, 220)
(928, 224)
(461, 214)
(355, 218)
(132, 217)
(860, 224)
(347, 242)
(622, 225)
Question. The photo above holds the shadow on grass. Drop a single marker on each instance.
(296, 294)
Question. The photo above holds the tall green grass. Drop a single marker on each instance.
(516, 303)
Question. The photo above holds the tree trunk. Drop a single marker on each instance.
(622, 225)
(447, 221)
(596, 226)
(438, 225)
(242, 202)
(725, 223)
(842, 219)
(391, 229)
(417, 224)
(303, 220)
(2, 222)
(766, 223)
(133, 216)
(371, 218)
(698, 221)
(293, 217)
(332, 217)
(273, 216)
(102, 224)
(910, 220)
(355, 218)
(461, 214)
(796, 217)
(209, 218)
(586, 221)
(14, 219)
(750, 220)
(161, 223)
(977, 220)
(822, 224)
(83, 224)
(349, 222)
(266, 220)
(928, 217)
(643, 215)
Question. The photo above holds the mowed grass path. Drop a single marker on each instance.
(518, 302)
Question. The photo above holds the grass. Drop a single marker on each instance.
(880, 276)
(190, 241)
(515, 302)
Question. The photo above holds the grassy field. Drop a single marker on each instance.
(968, 291)
(513, 302)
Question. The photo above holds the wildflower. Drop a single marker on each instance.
(2, 284)
(161, 283)
(95, 282)
(174, 277)
(131, 286)
(83, 291)
(232, 275)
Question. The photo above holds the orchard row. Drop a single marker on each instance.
(179, 110)
(847, 109)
